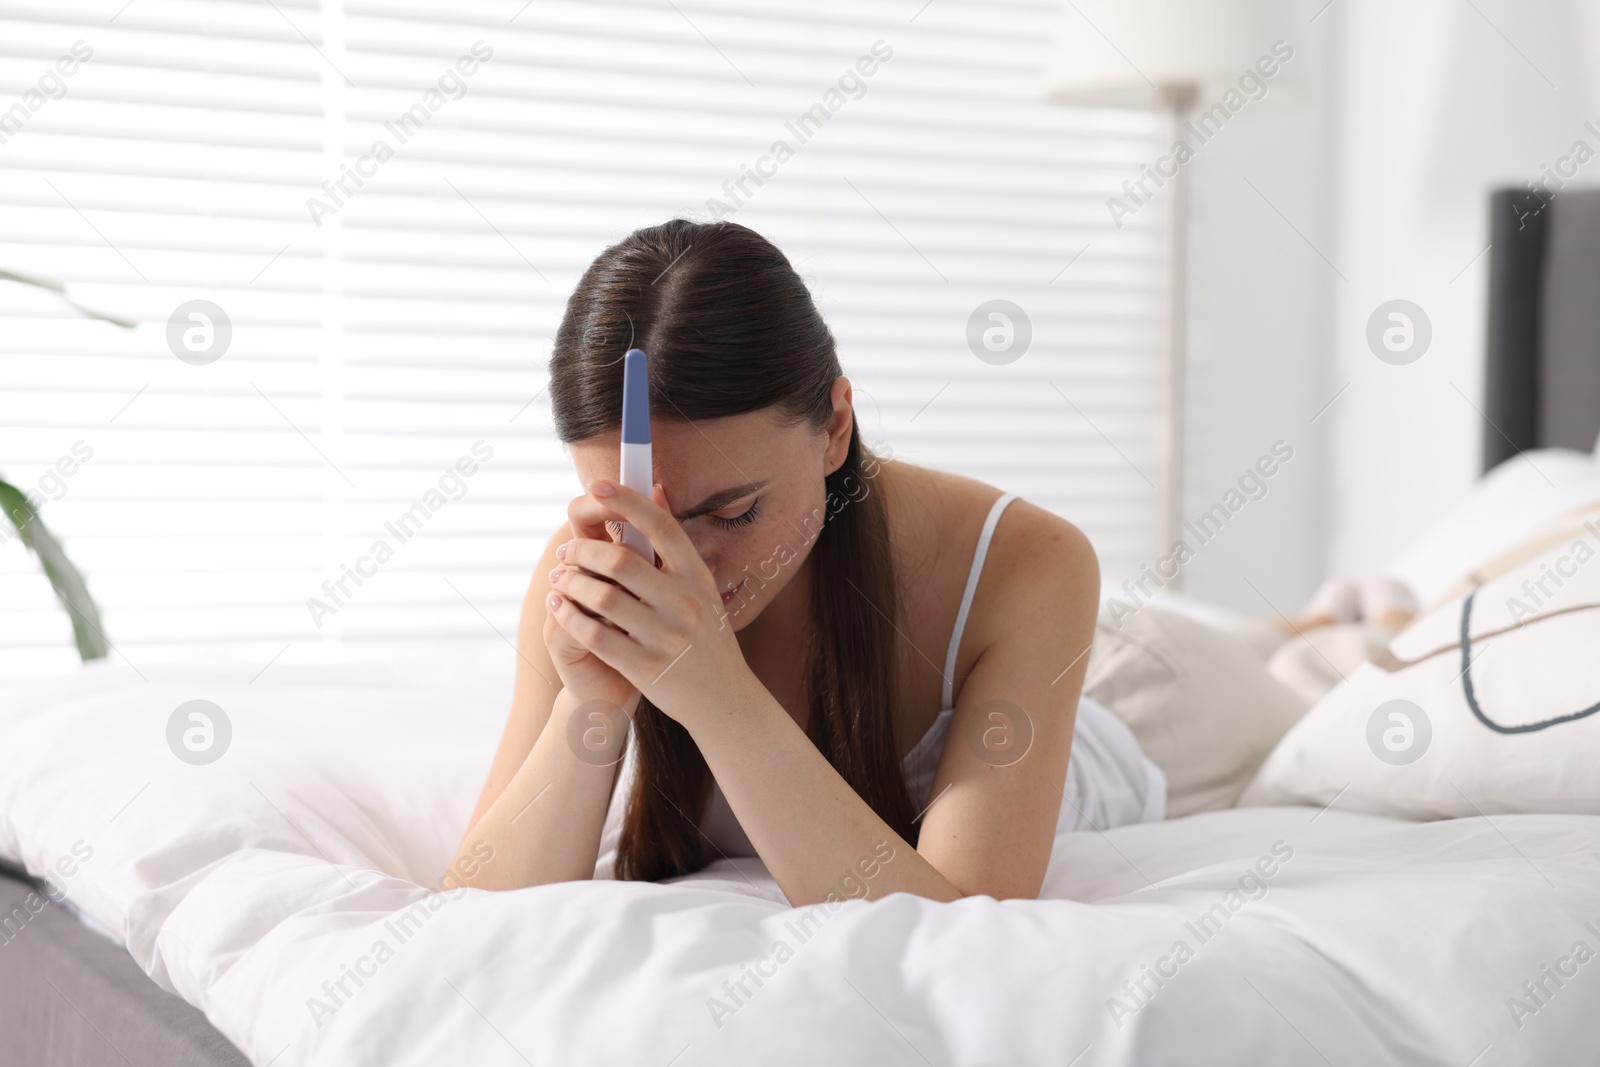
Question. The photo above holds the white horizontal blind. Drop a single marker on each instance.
(382, 332)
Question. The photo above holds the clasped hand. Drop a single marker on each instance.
(664, 627)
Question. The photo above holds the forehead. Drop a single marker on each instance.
(706, 454)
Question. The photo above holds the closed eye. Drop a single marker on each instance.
(739, 520)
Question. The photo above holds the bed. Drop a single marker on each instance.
(260, 888)
(279, 904)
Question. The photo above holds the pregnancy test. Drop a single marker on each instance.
(636, 469)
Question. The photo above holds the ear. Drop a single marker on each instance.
(839, 426)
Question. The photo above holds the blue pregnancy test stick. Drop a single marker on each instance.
(636, 464)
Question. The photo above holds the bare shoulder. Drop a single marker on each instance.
(937, 512)
(1032, 544)
(1029, 543)
(1039, 568)
(1045, 570)
(1040, 577)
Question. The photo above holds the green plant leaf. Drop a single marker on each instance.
(64, 577)
(61, 291)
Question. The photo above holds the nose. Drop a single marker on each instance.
(707, 553)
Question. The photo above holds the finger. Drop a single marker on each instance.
(607, 600)
(558, 641)
(655, 521)
(620, 564)
(594, 634)
(593, 614)
(588, 518)
(550, 579)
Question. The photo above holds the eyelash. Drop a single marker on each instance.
(739, 520)
(728, 524)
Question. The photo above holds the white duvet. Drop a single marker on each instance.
(282, 890)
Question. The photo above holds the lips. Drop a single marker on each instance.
(727, 597)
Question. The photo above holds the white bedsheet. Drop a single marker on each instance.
(253, 885)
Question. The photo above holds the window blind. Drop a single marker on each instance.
(342, 235)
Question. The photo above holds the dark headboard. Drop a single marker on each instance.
(1542, 385)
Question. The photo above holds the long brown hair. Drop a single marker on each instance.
(731, 328)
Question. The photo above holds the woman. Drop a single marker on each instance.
(813, 671)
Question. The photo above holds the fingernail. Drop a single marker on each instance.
(554, 601)
(561, 550)
(599, 487)
(558, 572)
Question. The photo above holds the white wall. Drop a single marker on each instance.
(1416, 111)
(1258, 339)
(1440, 101)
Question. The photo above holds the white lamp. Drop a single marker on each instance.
(1171, 54)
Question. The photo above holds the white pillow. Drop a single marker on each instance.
(1525, 491)
(1317, 660)
(1258, 634)
(1199, 700)
(1420, 732)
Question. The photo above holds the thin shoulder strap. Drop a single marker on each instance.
(967, 594)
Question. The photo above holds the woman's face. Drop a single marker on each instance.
(748, 491)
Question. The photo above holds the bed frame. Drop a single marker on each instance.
(72, 998)
(1542, 365)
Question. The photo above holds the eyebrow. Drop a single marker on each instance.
(720, 499)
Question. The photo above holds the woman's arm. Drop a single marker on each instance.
(997, 791)
(536, 683)
(539, 815)
(819, 839)
(545, 824)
